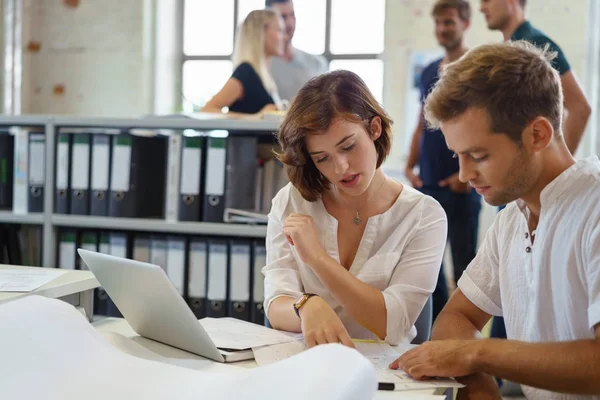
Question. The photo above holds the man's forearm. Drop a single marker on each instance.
(567, 367)
(575, 126)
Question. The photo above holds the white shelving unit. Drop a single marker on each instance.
(51, 221)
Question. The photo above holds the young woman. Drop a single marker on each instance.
(351, 253)
(251, 88)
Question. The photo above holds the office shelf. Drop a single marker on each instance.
(25, 120)
(156, 225)
(8, 217)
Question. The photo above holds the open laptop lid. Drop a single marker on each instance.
(150, 303)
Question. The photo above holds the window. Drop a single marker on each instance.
(348, 33)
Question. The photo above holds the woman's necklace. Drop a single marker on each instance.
(357, 219)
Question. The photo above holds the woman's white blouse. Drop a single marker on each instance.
(400, 254)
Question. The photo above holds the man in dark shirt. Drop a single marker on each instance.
(438, 169)
(508, 16)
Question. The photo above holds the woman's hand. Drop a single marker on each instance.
(301, 232)
(321, 325)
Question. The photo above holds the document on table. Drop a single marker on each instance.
(235, 334)
(380, 355)
(26, 280)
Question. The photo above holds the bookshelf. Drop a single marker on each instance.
(50, 221)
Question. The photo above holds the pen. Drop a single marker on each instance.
(367, 341)
(386, 386)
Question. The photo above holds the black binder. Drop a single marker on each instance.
(80, 174)
(61, 173)
(217, 278)
(36, 171)
(100, 174)
(213, 205)
(191, 178)
(7, 148)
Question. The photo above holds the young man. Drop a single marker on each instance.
(296, 67)
(508, 16)
(438, 169)
(500, 109)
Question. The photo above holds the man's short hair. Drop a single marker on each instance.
(337, 94)
(513, 81)
(461, 6)
(269, 3)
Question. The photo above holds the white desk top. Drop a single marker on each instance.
(70, 282)
(120, 326)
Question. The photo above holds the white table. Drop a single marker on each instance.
(74, 287)
(120, 326)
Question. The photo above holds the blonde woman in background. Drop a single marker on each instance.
(251, 88)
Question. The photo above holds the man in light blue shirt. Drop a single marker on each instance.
(296, 67)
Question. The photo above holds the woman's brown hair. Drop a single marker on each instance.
(337, 94)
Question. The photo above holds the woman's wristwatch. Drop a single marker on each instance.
(300, 301)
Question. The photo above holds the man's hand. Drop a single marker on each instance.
(414, 179)
(455, 185)
(440, 358)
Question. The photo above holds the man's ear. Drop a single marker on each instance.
(375, 127)
(539, 134)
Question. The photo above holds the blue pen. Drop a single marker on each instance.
(386, 386)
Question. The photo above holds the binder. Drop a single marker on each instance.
(190, 192)
(240, 189)
(197, 277)
(89, 241)
(100, 296)
(217, 278)
(213, 206)
(80, 174)
(138, 176)
(118, 248)
(173, 178)
(141, 248)
(67, 255)
(21, 170)
(176, 263)
(100, 169)
(158, 251)
(36, 171)
(7, 144)
(240, 264)
(258, 284)
(61, 196)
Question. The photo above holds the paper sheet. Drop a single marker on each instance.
(50, 351)
(380, 355)
(26, 280)
(231, 333)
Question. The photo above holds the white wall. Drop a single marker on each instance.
(96, 51)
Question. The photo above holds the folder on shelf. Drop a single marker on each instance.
(100, 296)
(190, 192)
(213, 206)
(173, 177)
(138, 176)
(67, 252)
(30, 238)
(119, 248)
(36, 171)
(141, 248)
(241, 171)
(158, 251)
(197, 277)
(10, 245)
(21, 167)
(240, 265)
(258, 284)
(89, 241)
(80, 174)
(176, 262)
(7, 148)
(217, 278)
(61, 194)
(100, 166)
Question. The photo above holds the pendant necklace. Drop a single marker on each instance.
(357, 218)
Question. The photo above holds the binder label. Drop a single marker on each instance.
(80, 166)
(62, 162)
(119, 179)
(176, 263)
(239, 282)
(217, 272)
(215, 164)
(67, 257)
(190, 172)
(118, 245)
(260, 260)
(100, 160)
(197, 282)
(37, 159)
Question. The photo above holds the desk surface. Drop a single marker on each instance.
(70, 282)
(120, 326)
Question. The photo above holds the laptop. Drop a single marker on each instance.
(153, 307)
